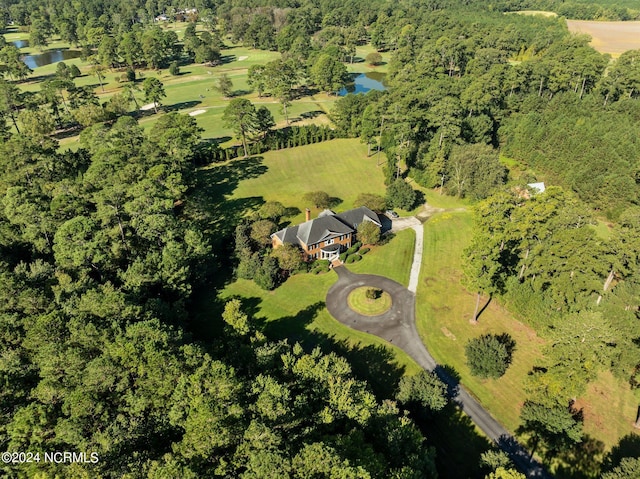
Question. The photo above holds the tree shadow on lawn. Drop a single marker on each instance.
(34, 79)
(307, 115)
(219, 139)
(458, 445)
(217, 217)
(218, 214)
(237, 93)
(628, 446)
(582, 460)
(183, 105)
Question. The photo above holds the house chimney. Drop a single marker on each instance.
(307, 214)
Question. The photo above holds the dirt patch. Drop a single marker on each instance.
(440, 309)
(428, 281)
(448, 333)
(609, 37)
(197, 112)
(451, 273)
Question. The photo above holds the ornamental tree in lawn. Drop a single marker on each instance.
(225, 85)
(401, 195)
(374, 202)
(373, 59)
(368, 232)
(319, 199)
(489, 356)
(289, 257)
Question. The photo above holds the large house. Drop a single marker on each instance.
(326, 236)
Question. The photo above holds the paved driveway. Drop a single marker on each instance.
(400, 224)
(398, 326)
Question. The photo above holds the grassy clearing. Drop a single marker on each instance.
(444, 308)
(609, 408)
(339, 167)
(359, 302)
(603, 229)
(542, 13)
(296, 310)
(360, 66)
(194, 89)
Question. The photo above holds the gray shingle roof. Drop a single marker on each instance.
(356, 216)
(316, 230)
(327, 225)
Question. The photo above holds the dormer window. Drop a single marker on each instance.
(328, 242)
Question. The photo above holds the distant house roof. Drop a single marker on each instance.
(539, 187)
(327, 225)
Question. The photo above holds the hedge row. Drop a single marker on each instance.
(289, 137)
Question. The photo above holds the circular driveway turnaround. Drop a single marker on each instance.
(398, 326)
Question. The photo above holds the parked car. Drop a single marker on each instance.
(391, 214)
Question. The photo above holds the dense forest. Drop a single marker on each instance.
(99, 261)
(103, 250)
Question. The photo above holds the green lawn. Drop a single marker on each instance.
(194, 88)
(339, 167)
(444, 308)
(296, 310)
(358, 301)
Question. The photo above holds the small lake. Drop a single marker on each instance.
(49, 57)
(365, 82)
(20, 43)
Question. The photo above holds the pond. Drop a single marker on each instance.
(365, 82)
(20, 43)
(48, 57)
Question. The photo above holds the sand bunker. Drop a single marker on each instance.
(148, 106)
(242, 58)
(197, 112)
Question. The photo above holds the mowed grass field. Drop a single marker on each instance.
(444, 308)
(609, 37)
(296, 310)
(339, 167)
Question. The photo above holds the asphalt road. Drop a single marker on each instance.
(398, 326)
